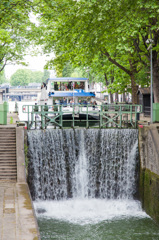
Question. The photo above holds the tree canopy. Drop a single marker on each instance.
(16, 30)
(112, 34)
(2, 77)
(22, 77)
(109, 37)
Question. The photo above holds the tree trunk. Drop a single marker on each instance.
(116, 97)
(134, 88)
(155, 79)
(111, 97)
(106, 79)
(124, 98)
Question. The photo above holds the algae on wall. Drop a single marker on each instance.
(150, 198)
(149, 174)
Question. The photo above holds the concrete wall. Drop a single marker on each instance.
(26, 208)
(149, 170)
(21, 176)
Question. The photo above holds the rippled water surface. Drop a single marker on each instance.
(94, 220)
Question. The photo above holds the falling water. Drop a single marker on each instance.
(81, 172)
(84, 183)
(83, 164)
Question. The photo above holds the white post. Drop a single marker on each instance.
(86, 86)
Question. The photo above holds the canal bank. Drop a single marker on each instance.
(17, 218)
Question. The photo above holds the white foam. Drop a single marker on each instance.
(89, 211)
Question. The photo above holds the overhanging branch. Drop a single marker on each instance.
(116, 63)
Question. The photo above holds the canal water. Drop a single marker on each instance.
(84, 184)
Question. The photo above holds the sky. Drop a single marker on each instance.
(36, 63)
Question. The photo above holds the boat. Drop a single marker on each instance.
(72, 95)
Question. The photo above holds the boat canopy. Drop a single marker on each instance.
(75, 93)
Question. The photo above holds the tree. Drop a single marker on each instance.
(2, 77)
(21, 77)
(36, 76)
(46, 75)
(80, 31)
(16, 30)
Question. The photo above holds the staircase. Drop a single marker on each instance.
(8, 166)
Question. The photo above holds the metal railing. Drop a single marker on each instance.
(101, 116)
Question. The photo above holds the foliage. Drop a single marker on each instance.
(23, 77)
(45, 76)
(2, 77)
(11, 120)
(15, 30)
(111, 33)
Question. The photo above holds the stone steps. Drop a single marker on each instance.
(8, 165)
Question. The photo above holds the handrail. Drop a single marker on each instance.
(107, 114)
(125, 108)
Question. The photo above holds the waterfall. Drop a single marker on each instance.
(82, 163)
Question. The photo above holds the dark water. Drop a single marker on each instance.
(126, 229)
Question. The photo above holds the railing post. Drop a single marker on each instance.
(46, 109)
(32, 118)
(60, 118)
(120, 116)
(87, 125)
(131, 113)
(73, 124)
(28, 125)
(42, 117)
(101, 117)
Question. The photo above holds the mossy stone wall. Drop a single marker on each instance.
(149, 172)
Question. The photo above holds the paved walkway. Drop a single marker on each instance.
(11, 119)
(17, 218)
(17, 221)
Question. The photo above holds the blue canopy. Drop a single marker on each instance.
(76, 93)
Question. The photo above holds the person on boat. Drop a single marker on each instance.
(85, 103)
(71, 102)
(76, 85)
(62, 87)
(69, 85)
(65, 102)
(44, 85)
(81, 86)
(94, 105)
(61, 101)
(56, 101)
(56, 86)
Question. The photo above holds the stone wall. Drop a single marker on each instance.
(149, 170)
